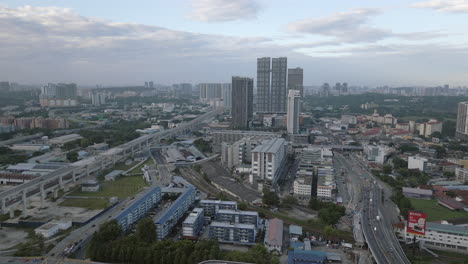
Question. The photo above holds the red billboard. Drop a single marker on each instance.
(416, 223)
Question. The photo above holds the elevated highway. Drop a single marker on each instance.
(18, 197)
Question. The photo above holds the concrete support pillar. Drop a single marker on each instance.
(103, 164)
(4, 209)
(12, 212)
(43, 195)
(114, 159)
(56, 193)
(87, 170)
(147, 142)
(61, 182)
(74, 176)
(25, 201)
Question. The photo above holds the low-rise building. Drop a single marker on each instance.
(461, 174)
(415, 162)
(62, 140)
(193, 224)
(237, 216)
(274, 235)
(417, 193)
(303, 188)
(90, 186)
(111, 176)
(52, 228)
(211, 207)
(232, 233)
(30, 147)
(440, 236)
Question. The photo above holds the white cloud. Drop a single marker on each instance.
(224, 10)
(348, 26)
(449, 6)
(50, 44)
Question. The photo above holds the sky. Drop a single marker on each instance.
(116, 42)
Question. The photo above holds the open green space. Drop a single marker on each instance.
(123, 166)
(91, 203)
(434, 211)
(122, 187)
(138, 169)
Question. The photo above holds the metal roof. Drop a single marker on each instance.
(458, 230)
(170, 211)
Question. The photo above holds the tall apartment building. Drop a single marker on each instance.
(238, 152)
(461, 174)
(418, 163)
(268, 159)
(296, 80)
(4, 86)
(292, 119)
(227, 95)
(98, 99)
(34, 122)
(462, 121)
(210, 91)
(58, 95)
(242, 101)
(272, 85)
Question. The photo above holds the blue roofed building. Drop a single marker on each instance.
(139, 209)
(212, 206)
(306, 257)
(169, 218)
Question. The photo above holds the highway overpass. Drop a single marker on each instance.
(18, 196)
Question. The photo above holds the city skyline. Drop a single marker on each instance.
(183, 41)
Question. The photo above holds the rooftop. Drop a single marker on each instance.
(193, 216)
(232, 225)
(270, 146)
(275, 232)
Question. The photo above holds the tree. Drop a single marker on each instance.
(270, 198)
(72, 156)
(387, 169)
(289, 200)
(242, 206)
(146, 230)
(399, 163)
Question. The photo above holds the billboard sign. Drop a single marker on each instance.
(416, 223)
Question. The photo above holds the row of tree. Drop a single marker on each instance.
(328, 213)
(109, 245)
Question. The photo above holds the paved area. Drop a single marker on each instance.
(220, 176)
(10, 237)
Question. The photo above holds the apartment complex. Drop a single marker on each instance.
(58, 95)
(193, 224)
(166, 221)
(211, 207)
(268, 159)
(233, 232)
(34, 122)
(296, 80)
(238, 217)
(428, 128)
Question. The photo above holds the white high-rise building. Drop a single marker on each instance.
(462, 121)
(294, 101)
(268, 159)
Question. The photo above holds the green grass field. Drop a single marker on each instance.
(92, 203)
(123, 187)
(434, 211)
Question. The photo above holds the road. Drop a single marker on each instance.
(379, 235)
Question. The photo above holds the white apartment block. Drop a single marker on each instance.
(419, 163)
(426, 129)
(326, 184)
(268, 159)
(461, 174)
(303, 188)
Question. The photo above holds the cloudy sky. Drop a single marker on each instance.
(119, 42)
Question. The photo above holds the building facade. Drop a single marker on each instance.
(242, 101)
(462, 121)
(232, 233)
(193, 224)
(238, 217)
(211, 207)
(296, 80)
(292, 119)
(268, 159)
